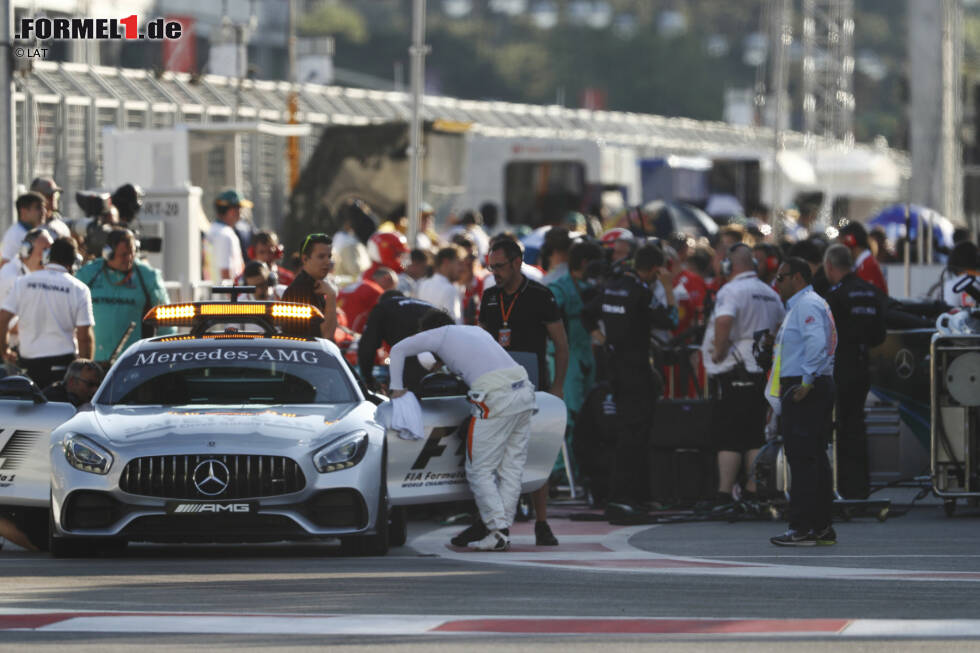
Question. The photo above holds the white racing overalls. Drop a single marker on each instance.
(496, 442)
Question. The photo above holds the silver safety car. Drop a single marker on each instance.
(243, 430)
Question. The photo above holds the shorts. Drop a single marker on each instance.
(739, 413)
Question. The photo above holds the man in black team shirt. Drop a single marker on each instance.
(521, 314)
(394, 318)
(311, 286)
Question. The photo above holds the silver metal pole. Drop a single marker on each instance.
(417, 52)
(8, 156)
(907, 252)
(783, 38)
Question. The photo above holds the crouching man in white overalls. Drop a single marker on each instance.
(503, 402)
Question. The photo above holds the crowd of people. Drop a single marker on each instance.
(593, 313)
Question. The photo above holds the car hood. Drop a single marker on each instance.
(132, 424)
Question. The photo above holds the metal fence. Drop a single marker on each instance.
(62, 109)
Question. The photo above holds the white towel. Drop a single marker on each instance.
(406, 417)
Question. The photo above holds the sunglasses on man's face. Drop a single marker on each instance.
(500, 266)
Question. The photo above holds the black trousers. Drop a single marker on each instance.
(853, 472)
(806, 433)
(633, 388)
(46, 370)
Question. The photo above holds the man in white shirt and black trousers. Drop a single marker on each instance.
(502, 399)
(744, 306)
(55, 316)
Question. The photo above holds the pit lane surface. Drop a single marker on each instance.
(713, 582)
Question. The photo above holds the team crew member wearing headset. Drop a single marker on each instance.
(802, 378)
(55, 311)
(123, 290)
(859, 314)
(502, 399)
(743, 306)
(854, 236)
(625, 308)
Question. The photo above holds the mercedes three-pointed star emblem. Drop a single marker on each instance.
(904, 363)
(211, 477)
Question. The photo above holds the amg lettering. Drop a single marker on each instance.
(213, 507)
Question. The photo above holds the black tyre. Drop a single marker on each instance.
(949, 507)
(376, 544)
(87, 547)
(398, 527)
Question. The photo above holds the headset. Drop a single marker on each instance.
(27, 245)
(849, 240)
(116, 236)
(277, 250)
(726, 263)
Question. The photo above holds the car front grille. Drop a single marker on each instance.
(233, 476)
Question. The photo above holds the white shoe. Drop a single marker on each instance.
(494, 541)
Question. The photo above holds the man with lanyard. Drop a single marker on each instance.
(311, 286)
(123, 290)
(522, 315)
(744, 306)
(571, 291)
(503, 401)
(859, 313)
(55, 311)
(624, 308)
(226, 247)
(802, 379)
(394, 318)
(30, 214)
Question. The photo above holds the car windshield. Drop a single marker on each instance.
(219, 374)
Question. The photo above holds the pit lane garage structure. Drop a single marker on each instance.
(62, 109)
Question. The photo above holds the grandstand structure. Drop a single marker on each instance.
(62, 110)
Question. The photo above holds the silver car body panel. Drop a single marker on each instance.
(432, 469)
(25, 431)
(419, 471)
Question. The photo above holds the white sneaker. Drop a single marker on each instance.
(494, 541)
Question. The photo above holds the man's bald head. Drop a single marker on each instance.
(742, 258)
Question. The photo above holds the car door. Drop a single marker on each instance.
(432, 470)
(26, 422)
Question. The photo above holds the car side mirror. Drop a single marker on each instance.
(20, 387)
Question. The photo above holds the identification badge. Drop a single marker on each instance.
(503, 337)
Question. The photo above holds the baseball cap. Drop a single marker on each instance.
(45, 185)
(232, 197)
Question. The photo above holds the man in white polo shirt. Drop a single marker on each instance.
(226, 249)
(440, 289)
(30, 214)
(55, 312)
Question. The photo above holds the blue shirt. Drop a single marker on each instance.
(806, 341)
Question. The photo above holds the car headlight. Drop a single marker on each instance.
(85, 455)
(343, 453)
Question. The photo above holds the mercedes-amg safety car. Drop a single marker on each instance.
(242, 430)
